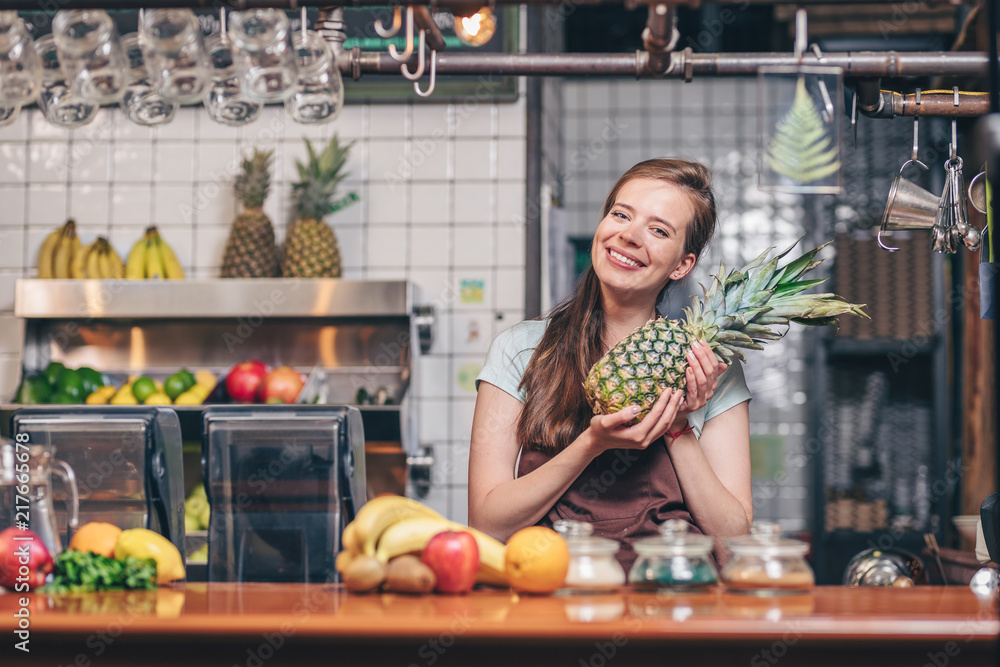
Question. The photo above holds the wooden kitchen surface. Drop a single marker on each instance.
(256, 624)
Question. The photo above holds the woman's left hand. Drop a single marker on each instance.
(703, 373)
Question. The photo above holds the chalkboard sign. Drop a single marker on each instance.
(359, 26)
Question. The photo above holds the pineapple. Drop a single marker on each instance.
(250, 249)
(311, 248)
(735, 313)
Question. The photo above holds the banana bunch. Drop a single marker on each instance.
(151, 258)
(97, 260)
(58, 249)
(389, 526)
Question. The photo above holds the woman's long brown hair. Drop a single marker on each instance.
(556, 410)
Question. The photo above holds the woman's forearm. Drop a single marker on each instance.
(522, 501)
(716, 510)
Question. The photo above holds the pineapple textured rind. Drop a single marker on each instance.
(311, 249)
(251, 250)
(736, 313)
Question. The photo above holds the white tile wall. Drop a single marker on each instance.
(433, 182)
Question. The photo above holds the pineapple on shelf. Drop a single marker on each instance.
(311, 249)
(251, 251)
(738, 311)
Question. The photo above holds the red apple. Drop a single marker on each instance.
(453, 555)
(282, 385)
(24, 559)
(244, 380)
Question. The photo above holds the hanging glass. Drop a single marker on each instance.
(800, 111)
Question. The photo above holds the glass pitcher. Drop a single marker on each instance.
(26, 490)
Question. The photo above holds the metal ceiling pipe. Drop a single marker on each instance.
(685, 65)
(432, 34)
(238, 5)
(330, 24)
(942, 105)
(870, 100)
(660, 37)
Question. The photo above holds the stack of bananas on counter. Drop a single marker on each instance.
(63, 256)
(152, 259)
(390, 526)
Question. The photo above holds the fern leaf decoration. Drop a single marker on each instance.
(801, 149)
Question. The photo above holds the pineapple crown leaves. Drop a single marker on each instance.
(801, 149)
(319, 177)
(254, 180)
(737, 312)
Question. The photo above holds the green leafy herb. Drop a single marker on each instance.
(79, 572)
(801, 148)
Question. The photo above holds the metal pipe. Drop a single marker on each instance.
(684, 63)
(660, 37)
(870, 101)
(238, 5)
(533, 175)
(938, 104)
(330, 24)
(422, 17)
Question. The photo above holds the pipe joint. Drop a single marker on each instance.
(659, 37)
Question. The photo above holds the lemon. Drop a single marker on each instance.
(143, 543)
(536, 560)
(159, 398)
(101, 395)
(124, 396)
(206, 379)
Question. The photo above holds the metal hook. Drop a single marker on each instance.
(420, 62)
(827, 102)
(397, 23)
(408, 51)
(953, 147)
(801, 33)
(854, 117)
(305, 24)
(430, 87)
(916, 134)
(878, 237)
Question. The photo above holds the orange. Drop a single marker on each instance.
(99, 538)
(536, 560)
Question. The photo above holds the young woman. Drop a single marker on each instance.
(539, 454)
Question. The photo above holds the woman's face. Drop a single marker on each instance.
(639, 245)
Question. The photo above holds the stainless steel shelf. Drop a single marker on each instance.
(252, 299)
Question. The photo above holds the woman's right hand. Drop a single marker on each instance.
(612, 431)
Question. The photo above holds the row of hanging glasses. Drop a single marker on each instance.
(84, 64)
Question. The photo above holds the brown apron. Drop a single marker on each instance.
(624, 493)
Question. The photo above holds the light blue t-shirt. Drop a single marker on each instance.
(512, 349)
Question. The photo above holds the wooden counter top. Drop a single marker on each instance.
(248, 624)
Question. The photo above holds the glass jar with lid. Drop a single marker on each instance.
(675, 560)
(765, 563)
(593, 567)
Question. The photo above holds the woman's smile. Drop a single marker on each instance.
(629, 261)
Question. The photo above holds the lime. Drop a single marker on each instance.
(52, 371)
(189, 379)
(70, 383)
(175, 385)
(34, 390)
(92, 380)
(143, 388)
(60, 397)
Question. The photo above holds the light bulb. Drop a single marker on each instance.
(476, 29)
